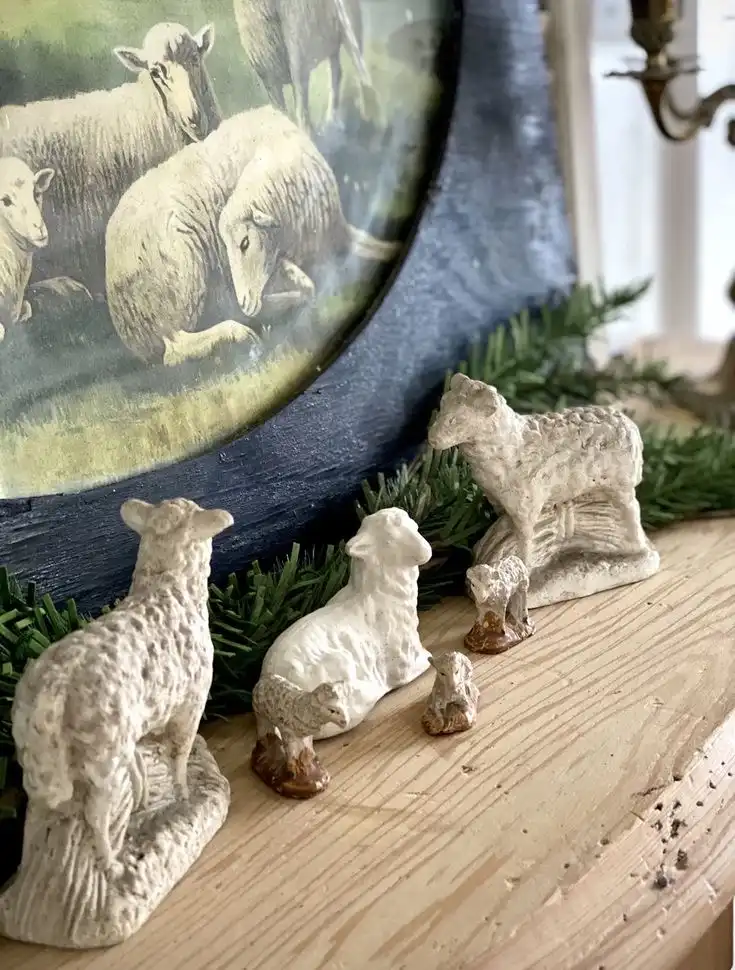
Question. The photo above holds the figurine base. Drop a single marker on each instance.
(573, 577)
(581, 548)
(491, 635)
(61, 897)
(303, 777)
(453, 722)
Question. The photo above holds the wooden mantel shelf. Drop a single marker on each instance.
(588, 821)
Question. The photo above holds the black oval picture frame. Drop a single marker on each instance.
(492, 238)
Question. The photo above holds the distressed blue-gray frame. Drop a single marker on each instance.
(493, 237)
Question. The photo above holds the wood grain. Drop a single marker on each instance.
(532, 841)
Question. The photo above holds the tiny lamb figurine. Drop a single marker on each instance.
(287, 719)
(452, 703)
(500, 594)
(564, 484)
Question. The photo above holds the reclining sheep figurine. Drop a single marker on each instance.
(142, 669)
(500, 594)
(287, 719)
(452, 703)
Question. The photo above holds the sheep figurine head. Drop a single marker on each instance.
(389, 537)
(452, 668)
(21, 193)
(173, 60)
(464, 409)
(331, 700)
(174, 534)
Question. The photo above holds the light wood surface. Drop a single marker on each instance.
(605, 747)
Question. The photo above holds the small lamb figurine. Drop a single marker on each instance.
(500, 594)
(452, 703)
(287, 719)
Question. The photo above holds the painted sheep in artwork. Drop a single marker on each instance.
(23, 232)
(225, 228)
(285, 42)
(100, 142)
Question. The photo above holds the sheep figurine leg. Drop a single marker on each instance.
(287, 718)
(500, 595)
(452, 704)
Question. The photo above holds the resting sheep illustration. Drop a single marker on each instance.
(144, 668)
(100, 142)
(213, 229)
(23, 231)
(285, 40)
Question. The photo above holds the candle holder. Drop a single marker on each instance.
(653, 29)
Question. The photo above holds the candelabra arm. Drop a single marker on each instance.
(676, 123)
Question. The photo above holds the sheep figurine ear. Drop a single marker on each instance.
(134, 514)
(432, 661)
(208, 523)
(131, 58)
(359, 546)
(204, 39)
(460, 382)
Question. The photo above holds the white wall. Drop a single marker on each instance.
(664, 210)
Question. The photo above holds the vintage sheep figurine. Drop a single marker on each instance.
(541, 470)
(100, 142)
(287, 719)
(500, 593)
(452, 703)
(22, 231)
(285, 42)
(366, 637)
(144, 668)
(166, 238)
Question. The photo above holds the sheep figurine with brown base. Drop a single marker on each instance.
(452, 703)
(287, 719)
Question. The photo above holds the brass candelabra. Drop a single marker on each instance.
(653, 29)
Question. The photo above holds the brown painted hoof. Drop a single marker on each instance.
(302, 777)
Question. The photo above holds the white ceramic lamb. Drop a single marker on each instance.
(367, 635)
(122, 793)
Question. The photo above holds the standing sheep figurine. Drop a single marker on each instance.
(287, 719)
(123, 795)
(564, 484)
(452, 703)
(500, 594)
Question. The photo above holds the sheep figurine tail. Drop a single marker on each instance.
(42, 753)
(365, 246)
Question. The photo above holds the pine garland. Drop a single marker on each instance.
(538, 363)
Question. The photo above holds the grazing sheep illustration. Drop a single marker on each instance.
(100, 142)
(171, 238)
(144, 668)
(285, 40)
(525, 462)
(287, 719)
(452, 704)
(22, 231)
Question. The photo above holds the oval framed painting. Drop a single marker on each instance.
(217, 274)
